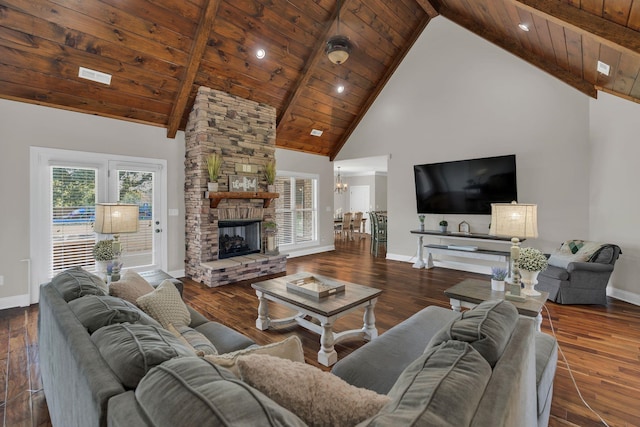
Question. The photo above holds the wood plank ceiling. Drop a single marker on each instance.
(160, 51)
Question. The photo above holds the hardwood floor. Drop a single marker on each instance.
(602, 344)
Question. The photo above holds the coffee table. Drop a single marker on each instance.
(471, 292)
(327, 310)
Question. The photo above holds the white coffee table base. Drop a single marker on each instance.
(456, 305)
(327, 355)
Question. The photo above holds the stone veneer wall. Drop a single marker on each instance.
(243, 132)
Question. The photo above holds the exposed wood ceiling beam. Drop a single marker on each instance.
(381, 84)
(195, 57)
(305, 76)
(430, 7)
(514, 48)
(607, 32)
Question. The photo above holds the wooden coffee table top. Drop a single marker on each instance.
(352, 296)
(476, 291)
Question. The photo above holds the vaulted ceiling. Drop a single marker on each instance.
(160, 51)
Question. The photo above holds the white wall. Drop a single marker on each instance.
(295, 161)
(24, 125)
(456, 96)
(613, 183)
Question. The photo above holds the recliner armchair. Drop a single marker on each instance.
(581, 282)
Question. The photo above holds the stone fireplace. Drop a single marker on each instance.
(223, 236)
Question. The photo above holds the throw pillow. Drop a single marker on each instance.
(75, 282)
(94, 312)
(189, 391)
(132, 350)
(319, 398)
(130, 287)
(487, 328)
(165, 305)
(289, 348)
(194, 339)
(443, 388)
(573, 251)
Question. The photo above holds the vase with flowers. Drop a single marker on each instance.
(103, 254)
(530, 263)
(497, 278)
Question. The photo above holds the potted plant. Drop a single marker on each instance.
(214, 163)
(270, 175)
(421, 219)
(443, 226)
(103, 254)
(531, 262)
(497, 278)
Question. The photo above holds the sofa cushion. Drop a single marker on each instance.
(546, 362)
(130, 287)
(486, 327)
(554, 272)
(165, 305)
(225, 339)
(289, 348)
(443, 387)
(604, 255)
(75, 282)
(94, 312)
(194, 339)
(132, 350)
(319, 398)
(203, 394)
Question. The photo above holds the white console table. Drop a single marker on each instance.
(484, 254)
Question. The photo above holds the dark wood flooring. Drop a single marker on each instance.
(602, 344)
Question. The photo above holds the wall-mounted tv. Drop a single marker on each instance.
(465, 186)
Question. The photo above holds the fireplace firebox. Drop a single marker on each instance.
(238, 237)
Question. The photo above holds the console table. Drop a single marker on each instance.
(485, 254)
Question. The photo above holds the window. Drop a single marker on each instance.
(296, 209)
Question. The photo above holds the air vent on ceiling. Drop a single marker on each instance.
(94, 75)
(603, 68)
(316, 132)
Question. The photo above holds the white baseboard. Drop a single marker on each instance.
(176, 273)
(310, 251)
(15, 301)
(471, 268)
(622, 295)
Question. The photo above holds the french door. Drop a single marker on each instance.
(66, 185)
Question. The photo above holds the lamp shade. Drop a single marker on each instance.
(116, 218)
(514, 220)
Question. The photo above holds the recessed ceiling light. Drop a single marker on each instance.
(94, 76)
(340, 89)
(603, 68)
(261, 53)
(316, 132)
(523, 27)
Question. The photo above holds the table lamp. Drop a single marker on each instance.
(116, 218)
(518, 221)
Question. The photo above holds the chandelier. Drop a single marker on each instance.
(341, 186)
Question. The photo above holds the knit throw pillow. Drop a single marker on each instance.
(130, 287)
(165, 305)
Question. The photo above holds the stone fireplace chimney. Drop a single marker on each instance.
(243, 132)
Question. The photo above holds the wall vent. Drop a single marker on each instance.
(94, 75)
(316, 132)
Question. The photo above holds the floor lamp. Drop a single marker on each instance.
(518, 221)
(116, 218)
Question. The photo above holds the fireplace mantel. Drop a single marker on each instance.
(217, 197)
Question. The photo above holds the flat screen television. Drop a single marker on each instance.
(465, 186)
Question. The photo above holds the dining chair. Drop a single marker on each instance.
(357, 224)
(378, 231)
(346, 224)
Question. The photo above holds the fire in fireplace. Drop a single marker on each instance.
(238, 237)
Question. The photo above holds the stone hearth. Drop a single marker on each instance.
(243, 132)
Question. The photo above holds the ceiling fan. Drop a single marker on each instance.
(339, 46)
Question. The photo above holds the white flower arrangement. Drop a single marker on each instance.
(103, 250)
(532, 259)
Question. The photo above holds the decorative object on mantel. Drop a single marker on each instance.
(270, 175)
(421, 219)
(214, 163)
(243, 183)
(271, 238)
(340, 186)
(531, 262)
(443, 226)
(464, 227)
(520, 221)
(498, 275)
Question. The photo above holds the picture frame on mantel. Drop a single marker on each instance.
(243, 183)
(464, 227)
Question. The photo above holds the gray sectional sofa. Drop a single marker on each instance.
(485, 367)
